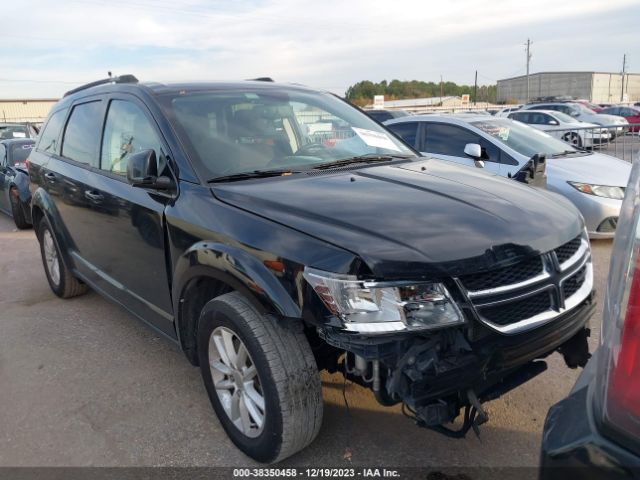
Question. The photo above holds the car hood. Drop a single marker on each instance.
(414, 219)
(596, 168)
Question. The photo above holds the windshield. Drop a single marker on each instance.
(583, 109)
(13, 131)
(522, 138)
(563, 117)
(234, 132)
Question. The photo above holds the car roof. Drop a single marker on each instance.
(9, 142)
(157, 88)
(453, 119)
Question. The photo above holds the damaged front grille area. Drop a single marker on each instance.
(517, 310)
(566, 251)
(517, 298)
(504, 276)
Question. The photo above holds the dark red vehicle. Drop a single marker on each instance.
(632, 115)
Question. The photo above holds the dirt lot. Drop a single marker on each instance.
(82, 382)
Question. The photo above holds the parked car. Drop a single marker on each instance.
(384, 115)
(595, 432)
(589, 105)
(592, 181)
(453, 138)
(584, 114)
(630, 114)
(266, 256)
(17, 130)
(15, 197)
(563, 126)
(503, 112)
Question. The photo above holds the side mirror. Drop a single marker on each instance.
(553, 122)
(474, 151)
(142, 171)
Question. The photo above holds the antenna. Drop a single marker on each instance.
(528, 45)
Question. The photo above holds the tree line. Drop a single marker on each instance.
(362, 92)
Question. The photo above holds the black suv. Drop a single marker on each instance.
(225, 218)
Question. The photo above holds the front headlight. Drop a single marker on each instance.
(381, 307)
(605, 191)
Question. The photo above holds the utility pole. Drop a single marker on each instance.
(528, 61)
(441, 88)
(475, 90)
(624, 69)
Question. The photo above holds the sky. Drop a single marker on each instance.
(51, 46)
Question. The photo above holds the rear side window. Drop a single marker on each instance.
(448, 139)
(406, 131)
(82, 134)
(50, 135)
(127, 131)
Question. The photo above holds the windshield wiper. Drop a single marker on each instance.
(254, 174)
(367, 158)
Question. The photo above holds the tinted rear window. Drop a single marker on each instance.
(51, 133)
(82, 134)
(19, 153)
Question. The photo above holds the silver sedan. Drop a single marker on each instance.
(594, 182)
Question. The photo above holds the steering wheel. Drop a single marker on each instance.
(312, 150)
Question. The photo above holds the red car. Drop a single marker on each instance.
(589, 105)
(632, 114)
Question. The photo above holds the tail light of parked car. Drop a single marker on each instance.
(619, 357)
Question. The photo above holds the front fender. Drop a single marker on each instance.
(238, 269)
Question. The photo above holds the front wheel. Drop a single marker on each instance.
(573, 138)
(261, 378)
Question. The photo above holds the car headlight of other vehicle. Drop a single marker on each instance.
(599, 190)
(382, 307)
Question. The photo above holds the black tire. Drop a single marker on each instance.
(16, 210)
(67, 285)
(287, 373)
(573, 138)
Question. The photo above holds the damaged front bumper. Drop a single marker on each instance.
(436, 375)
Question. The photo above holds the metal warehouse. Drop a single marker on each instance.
(32, 110)
(598, 87)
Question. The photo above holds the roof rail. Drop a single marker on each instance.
(119, 79)
(261, 79)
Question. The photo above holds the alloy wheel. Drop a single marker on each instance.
(51, 257)
(236, 381)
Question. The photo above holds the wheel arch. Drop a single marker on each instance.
(207, 270)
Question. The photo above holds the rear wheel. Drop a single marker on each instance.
(262, 379)
(16, 210)
(60, 279)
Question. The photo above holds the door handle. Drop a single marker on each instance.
(94, 196)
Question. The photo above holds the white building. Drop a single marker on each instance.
(597, 87)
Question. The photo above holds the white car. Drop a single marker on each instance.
(507, 110)
(564, 127)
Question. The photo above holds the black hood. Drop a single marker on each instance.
(414, 219)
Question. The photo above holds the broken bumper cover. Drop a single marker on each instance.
(434, 374)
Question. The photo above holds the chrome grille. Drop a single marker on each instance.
(517, 310)
(534, 291)
(503, 276)
(566, 251)
(573, 283)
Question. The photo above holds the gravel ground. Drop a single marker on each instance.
(82, 382)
